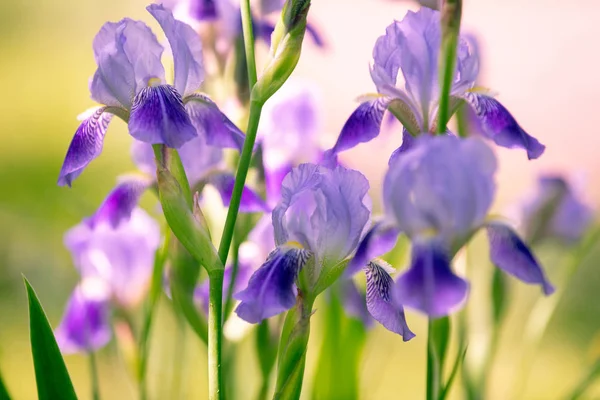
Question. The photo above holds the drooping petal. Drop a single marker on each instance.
(85, 325)
(250, 202)
(498, 125)
(121, 257)
(380, 303)
(158, 116)
(315, 35)
(355, 302)
(213, 124)
(509, 253)
(271, 288)
(85, 146)
(363, 125)
(380, 239)
(120, 202)
(128, 56)
(186, 47)
(429, 285)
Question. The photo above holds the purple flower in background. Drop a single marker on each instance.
(289, 133)
(405, 72)
(130, 83)
(556, 212)
(319, 221)
(120, 255)
(85, 325)
(438, 194)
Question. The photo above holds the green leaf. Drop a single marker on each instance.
(184, 277)
(178, 212)
(499, 296)
(51, 375)
(584, 384)
(3, 391)
(460, 357)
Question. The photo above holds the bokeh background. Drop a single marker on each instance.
(541, 56)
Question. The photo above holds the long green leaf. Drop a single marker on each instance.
(51, 375)
(3, 391)
(460, 357)
(584, 384)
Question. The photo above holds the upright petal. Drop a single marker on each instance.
(128, 56)
(271, 288)
(85, 324)
(442, 186)
(121, 257)
(509, 253)
(498, 125)
(120, 202)
(429, 285)
(212, 123)
(85, 146)
(186, 47)
(250, 201)
(363, 125)
(380, 239)
(379, 300)
(158, 116)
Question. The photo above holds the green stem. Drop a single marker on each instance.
(94, 376)
(432, 365)
(234, 272)
(215, 335)
(248, 42)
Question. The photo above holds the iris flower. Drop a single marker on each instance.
(556, 211)
(113, 250)
(438, 193)
(130, 83)
(405, 72)
(318, 224)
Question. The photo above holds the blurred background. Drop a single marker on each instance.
(540, 56)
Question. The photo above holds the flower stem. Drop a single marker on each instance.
(94, 376)
(215, 335)
(432, 365)
(248, 42)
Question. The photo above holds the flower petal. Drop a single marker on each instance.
(203, 10)
(363, 125)
(158, 116)
(121, 257)
(128, 55)
(85, 146)
(408, 142)
(201, 293)
(271, 288)
(250, 202)
(509, 253)
(380, 303)
(120, 202)
(85, 324)
(429, 285)
(213, 124)
(380, 239)
(497, 124)
(186, 47)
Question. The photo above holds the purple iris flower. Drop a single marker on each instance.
(85, 325)
(130, 83)
(113, 251)
(117, 245)
(405, 72)
(556, 212)
(438, 194)
(317, 224)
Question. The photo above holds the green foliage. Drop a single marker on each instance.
(51, 375)
(3, 390)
